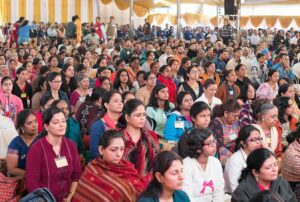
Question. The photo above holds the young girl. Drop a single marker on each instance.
(203, 172)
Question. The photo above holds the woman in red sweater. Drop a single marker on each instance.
(165, 77)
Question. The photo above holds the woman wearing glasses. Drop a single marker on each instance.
(54, 83)
(203, 174)
(141, 144)
(247, 141)
(225, 127)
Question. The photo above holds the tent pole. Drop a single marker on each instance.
(131, 25)
(178, 19)
(238, 22)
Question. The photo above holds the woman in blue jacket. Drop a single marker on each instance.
(179, 120)
(23, 33)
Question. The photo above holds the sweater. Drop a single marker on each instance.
(175, 126)
(41, 169)
(178, 196)
(203, 185)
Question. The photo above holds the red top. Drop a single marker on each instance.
(170, 85)
(262, 188)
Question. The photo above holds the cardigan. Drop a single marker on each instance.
(25, 95)
(222, 93)
(41, 169)
(203, 185)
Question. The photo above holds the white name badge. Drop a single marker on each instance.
(231, 92)
(61, 162)
(179, 124)
(232, 136)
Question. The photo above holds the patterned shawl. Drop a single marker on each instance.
(107, 182)
(290, 164)
(142, 153)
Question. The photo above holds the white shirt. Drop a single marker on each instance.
(233, 169)
(163, 59)
(294, 40)
(7, 134)
(231, 64)
(247, 62)
(215, 101)
(254, 39)
(203, 185)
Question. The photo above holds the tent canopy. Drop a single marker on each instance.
(163, 3)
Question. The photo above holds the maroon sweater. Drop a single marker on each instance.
(41, 170)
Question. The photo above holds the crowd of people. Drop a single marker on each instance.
(88, 114)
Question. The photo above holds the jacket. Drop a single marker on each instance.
(175, 126)
(248, 188)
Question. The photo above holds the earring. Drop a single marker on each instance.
(256, 177)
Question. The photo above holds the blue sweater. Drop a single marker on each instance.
(175, 126)
(96, 132)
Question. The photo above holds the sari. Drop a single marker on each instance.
(108, 182)
(142, 153)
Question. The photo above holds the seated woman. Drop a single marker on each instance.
(203, 172)
(200, 118)
(269, 89)
(18, 147)
(53, 160)
(11, 104)
(73, 128)
(228, 89)
(286, 121)
(261, 174)
(225, 128)
(122, 82)
(210, 88)
(144, 92)
(165, 77)
(266, 124)
(179, 120)
(141, 144)
(210, 73)
(246, 99)
(167, 180)
(108, 177)
(45, 103)
(158, 107)
(247, 141)
(107, 119)
(288, 90)
(192, 84)
(290, 158)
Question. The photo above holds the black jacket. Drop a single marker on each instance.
(248, 188)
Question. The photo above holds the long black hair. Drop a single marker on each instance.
(106, 99)
(21, 119)
(153, 101)
(117, 82)
(282, 103)
(161, 164)
(72, 85)
(48, 114)
(129, 107)
(254, 161)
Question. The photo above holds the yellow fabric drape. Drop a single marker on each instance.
(1, 14)
(90, 8)
(150, 18)
(297, 20)
(173, 19)
(122, 4)
(139, 10)
(78, 8)
(271, 20)
(64, 10)
(244, 21)
(78, 30)
(160, 18)
(256, 20)
(37, 10)
(6, 12)
(189, 18)
(22, 8)
(285, 21)
(106, 1)
(51, 11)
(214, 21)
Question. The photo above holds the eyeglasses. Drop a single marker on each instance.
(56, 82)
(152, 78)
(255, 139)
(194, 72)
(139, 115)
(211, 143)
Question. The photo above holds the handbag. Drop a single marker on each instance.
(11, 188)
